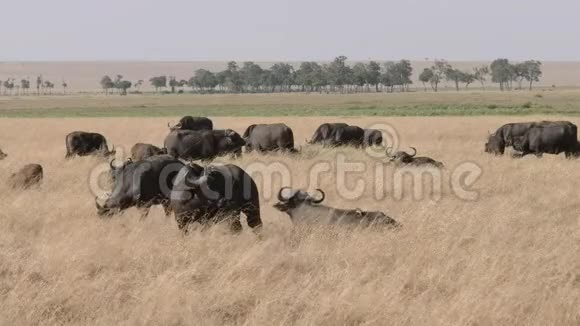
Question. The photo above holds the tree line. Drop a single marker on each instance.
(11, 86)
(337, 77)
(502, 72)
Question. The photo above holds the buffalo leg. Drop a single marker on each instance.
(167, 207)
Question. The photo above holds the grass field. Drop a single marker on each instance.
(448, 103)
(509, 257)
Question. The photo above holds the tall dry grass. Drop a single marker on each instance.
(508, 258)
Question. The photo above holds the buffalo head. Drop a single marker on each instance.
(495, 145)
(295, 198)
(401, 156)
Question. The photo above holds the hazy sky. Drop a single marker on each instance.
(266, 30)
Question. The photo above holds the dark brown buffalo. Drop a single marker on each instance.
(554, 138)
(508, 133)
(87, 143)
(141, 184)
(30, 175)
(142, 151)
(203, 145)
(404, 158)
(304, 208)
(213, 193)
(192, 123)
(269, 137)
(373, 137)
(325, 134)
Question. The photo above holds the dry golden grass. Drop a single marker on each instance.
(508, 258)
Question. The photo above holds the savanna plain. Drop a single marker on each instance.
(506, 256)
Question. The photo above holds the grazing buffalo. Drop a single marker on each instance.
(87, 143)
(404, 158)
(30, 175)
(302, 207)
(269, 137)
(142, 151)
(349, 136)
(192, 123)
(203, 145)
(552, 138)
(141, 184)
(506, 134)
(202, 195)
(325, 134)
(2, 155)
(373, 137)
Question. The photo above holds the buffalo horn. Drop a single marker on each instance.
(280, 197)
(318, 201)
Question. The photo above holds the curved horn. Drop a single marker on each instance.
(318, 201)
(388, 151)
(168, 125)
(414, 150)
(111, 164)
(280, 197)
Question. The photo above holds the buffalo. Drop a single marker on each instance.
(204, 194)
(553, 138)
(30, 175)
(373, 137)
(506, 135)
(2, 155)
(141, 184)
(304, 208)
(325, 134)
(192, 123)
(87, 143)
(203, 145)
(404, 158)
(338, 134)
(142, 151)
(269, 137)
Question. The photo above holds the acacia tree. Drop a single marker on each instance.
(282, 76)
(532, 71)
(48, 85)
(158, 82)
(439, 68)
(25, 85)
(251, 75)
(426, 76)
(203, 79)
(8, 85)
(480, 74)
(359, 75)
(338, 73)
(373, 70)
(64, 87)
(138, 84)
(502, 72)
(310, 76)
(39, 84)
(107, 84)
